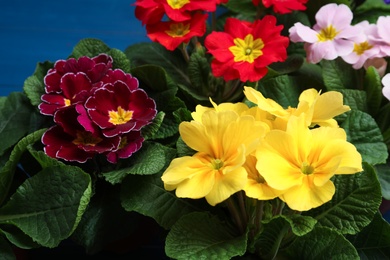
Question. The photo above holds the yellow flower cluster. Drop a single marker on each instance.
(265, 150)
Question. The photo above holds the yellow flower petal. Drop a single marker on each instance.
(308, 196)
(226, 185)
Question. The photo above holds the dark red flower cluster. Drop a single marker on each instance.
(96, 110)
(185, 19)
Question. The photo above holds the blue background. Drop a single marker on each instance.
(40, 30)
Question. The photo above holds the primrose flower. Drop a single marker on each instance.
(330, 36)
(380, 64)
(171, 34)
(70, 141)
(129, 144)
(71, 81)
(223, 140)
(386, 86)
(285, 6)
(320, 109)
(244, 50)
(364, 48)
(118, 109)
(383, 35)
(301, 162)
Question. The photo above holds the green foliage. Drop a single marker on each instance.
(200, 236)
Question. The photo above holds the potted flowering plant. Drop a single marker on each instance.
(258, 131)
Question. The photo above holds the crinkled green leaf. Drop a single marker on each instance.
(6, 252)
(149, 130)
(282, 89)
(363, 131)
(373, 88)
(17, 237)
(89, 47)
(356, 99)
(159, 86)
(48, 206)
(243, 7)
(373, 242)
(321, 243)
(146, 195)
(169, 127)
(150, 159)
(338, 74)
(7, 172)
(354, 204)
(300, 225)
(182, 114)
(120, 60)
(34, 86)
(14, 114)
(198, 72)
(202, 236)
(154, 53)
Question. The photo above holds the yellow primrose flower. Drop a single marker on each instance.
(256, 186)
(319, 108)
(238, 107)
(302, 161)
(223, 140)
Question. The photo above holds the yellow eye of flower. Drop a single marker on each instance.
(120, 116)
(177, 4)
(178, 30)
(247, 49)
(67, 102)
(86, 138)
(217, 164)
(361, 47)
(327, 34)
(307, 168)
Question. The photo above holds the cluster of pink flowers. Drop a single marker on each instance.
(96, 110)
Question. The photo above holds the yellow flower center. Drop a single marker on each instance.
(307, 168)
(327, 34)
(178, 29)
(177, 4)
(217, 164)
(86, 138)
(361, 47)
(67, 102)
(120, 116)
(247, 49)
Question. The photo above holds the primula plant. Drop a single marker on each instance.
(242, 129)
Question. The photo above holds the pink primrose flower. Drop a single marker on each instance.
(386, 86)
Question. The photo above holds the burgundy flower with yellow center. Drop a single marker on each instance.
(171, 34)
(244, 50)
(117, 109)
(129, 144)
(114, 75)
(70, 141)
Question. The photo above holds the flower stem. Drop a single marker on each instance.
(259, 215)
(235, 214)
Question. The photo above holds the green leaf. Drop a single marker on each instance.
(383, 172)
(120, 60)
(202, 236)
(34, 86)
(14, 114)
(17, 237)
(373, 242)
(321, 243)
(48, 206)
(146, 195)
(89, 47)
(169, 127)
(7, 172)
(183, 149)
(156, 54)
(6, 252)
(354, 204)
(373, 88)
(268, 243)
(149, 160)
(300, 225)
(338, 74)
(370, 10)
(149, 130)
(105, 221)
(282, 89)
(158, 86)
(356, 99)
(364, 133)
(198, 72)
(243, 7)
(182, 114)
